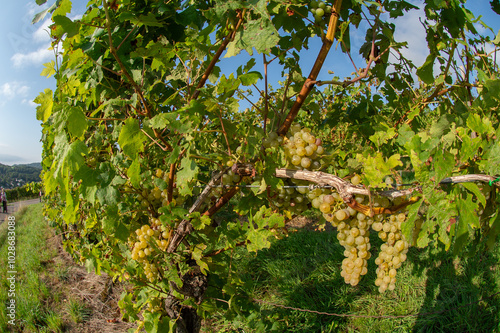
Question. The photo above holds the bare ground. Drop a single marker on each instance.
(69, 282)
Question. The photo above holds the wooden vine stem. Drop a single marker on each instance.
(308, 85)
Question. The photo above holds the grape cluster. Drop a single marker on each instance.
(392, 252)
(154, 198)
(147, 240)
(320, 10)
(302, 149)
(354, 236)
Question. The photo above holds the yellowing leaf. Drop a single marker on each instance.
(49, 69)
(44, 110)
(376, 168)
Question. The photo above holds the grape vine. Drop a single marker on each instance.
(157, 166)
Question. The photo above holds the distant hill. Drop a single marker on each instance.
(19, 174)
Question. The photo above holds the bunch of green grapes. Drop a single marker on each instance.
(320, 10)
(227, 179)
(353, 233)
(272, 140)
(290, 199)
(154, 198)
(145, 244)
(302, 149)
(392, 252)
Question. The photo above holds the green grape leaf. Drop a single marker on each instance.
(108, 195)
(250, 78)
(381, 137)
(425, 72)
(63, 7)
(258, 240)
(467, 219)
(481, 125)
(405, 134)
(472, 187)
(70, 156)
(77, 122)
(470, 145)
(44, 110)
(131, 138)
(197, 254)
(134, 173)
(496, 41)
(491, 159)
(188, 171)
(259, 34)
(376, 168)
(70, 28)
(151, 320)
(444, 162)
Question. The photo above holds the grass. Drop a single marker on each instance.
(78, 311)
(53, 294)
(435, 291)
(31, 232)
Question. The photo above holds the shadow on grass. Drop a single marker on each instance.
(303, 271)
(459, 293)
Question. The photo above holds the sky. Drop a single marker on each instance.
(26, 48)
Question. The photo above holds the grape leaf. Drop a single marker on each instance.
(71, 28)
(44, 110)
(425, 72)
(49, 69)
(134, 173)
(131, 138)
(376, 168)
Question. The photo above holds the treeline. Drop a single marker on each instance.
(19, 175)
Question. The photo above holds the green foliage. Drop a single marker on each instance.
(141, 120)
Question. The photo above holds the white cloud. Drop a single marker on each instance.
(29, 102)
(11, 90)
(42, 34)
(37, 57)
(409, 29)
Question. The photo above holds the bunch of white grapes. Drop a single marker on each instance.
(145, 244)
(155, 197)
(302, 149)
(354, 235)
(392, 252)
(320, 10)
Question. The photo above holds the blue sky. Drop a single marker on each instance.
(25, 50)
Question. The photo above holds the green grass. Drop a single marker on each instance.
(31, 251)
(440, 292)
(78, 311)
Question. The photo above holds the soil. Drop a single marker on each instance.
(69, 282)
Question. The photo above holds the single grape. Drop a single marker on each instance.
(305, 162)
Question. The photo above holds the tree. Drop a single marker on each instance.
(145, 141)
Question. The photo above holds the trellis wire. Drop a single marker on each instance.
(313, 186)
(373, 316)
(353, 315)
